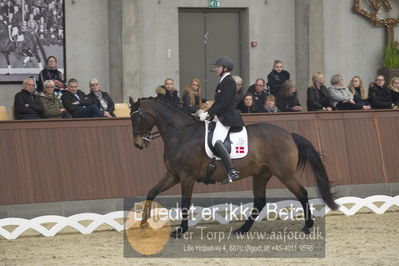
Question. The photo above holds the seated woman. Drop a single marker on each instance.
(168, 92)
(341, 97)
(270, 105)
(101, 99)
(50, 72)
(287, 99)
(318, 98)
(379, 95)
(360, 93)
(191, 97)
(52, 105)
(248, 105)
(394, 89)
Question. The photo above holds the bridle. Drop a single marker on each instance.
(147, 135)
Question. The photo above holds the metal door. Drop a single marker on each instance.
(205, 35)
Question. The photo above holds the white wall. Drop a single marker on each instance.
(87, 41)
(158, 31)
(353, 45)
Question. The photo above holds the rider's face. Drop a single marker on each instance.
(218, 70)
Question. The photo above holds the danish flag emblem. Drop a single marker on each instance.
(240, 149)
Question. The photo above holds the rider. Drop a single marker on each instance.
(228, 118)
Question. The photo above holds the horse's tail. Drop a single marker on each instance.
(308, 155)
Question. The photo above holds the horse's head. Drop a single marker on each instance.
(142, 124)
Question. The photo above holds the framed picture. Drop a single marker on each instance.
(30, 31)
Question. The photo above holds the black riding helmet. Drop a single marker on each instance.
(225, 61)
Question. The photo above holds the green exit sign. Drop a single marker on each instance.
(214, 3)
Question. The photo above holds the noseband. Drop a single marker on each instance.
(147, 135)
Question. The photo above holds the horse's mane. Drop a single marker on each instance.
(169, 104)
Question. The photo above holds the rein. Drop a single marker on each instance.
(148, 135)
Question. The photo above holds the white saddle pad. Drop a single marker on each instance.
(239, 140)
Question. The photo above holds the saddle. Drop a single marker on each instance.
(236, 144)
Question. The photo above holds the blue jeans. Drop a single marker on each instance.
(88, 111)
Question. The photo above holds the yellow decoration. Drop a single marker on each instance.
(373, 15)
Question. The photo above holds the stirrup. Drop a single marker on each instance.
(232, 175)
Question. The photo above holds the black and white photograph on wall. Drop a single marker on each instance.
(30, 31)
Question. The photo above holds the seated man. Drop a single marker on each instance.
(77, 103)
(27, 104)
(258, 90)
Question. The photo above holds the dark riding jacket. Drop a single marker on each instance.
(224, 106)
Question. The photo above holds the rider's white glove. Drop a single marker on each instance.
(200, 111)
(203, 116)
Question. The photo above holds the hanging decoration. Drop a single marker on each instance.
(374, 15)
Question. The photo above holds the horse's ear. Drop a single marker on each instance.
(131, 101)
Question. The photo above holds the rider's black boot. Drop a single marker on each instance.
(232, 174)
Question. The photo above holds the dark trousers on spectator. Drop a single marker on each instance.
(88, 111)
(348, 106)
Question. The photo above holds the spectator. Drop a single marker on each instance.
(379, 95)
(52, 105)
(240, 91)
(32, 25)
(27, 104)
(394, 89)
(342, 98)
(360, 93)
(258, 90)
(101, 99)
(50, 72)
(77, 103)
(270, 105)
(191, 97)
(277, 77)
(318, 98)
(168, 92)
(248, 105)
(287, 99)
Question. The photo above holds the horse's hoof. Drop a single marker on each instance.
(309, 223)
(178, 233)
(306, 230)
(144, 225)
(240, 231)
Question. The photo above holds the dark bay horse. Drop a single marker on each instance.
(29, 47)
(272, 151)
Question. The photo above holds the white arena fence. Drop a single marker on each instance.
(97, 220)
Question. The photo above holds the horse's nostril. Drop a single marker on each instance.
(138, 146)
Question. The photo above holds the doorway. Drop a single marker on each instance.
(204, 36)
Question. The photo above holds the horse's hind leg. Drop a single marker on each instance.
(166, 182)
(302, 195)
(259, 189)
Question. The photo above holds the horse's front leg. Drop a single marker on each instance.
(166, 182)
(187, 185)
